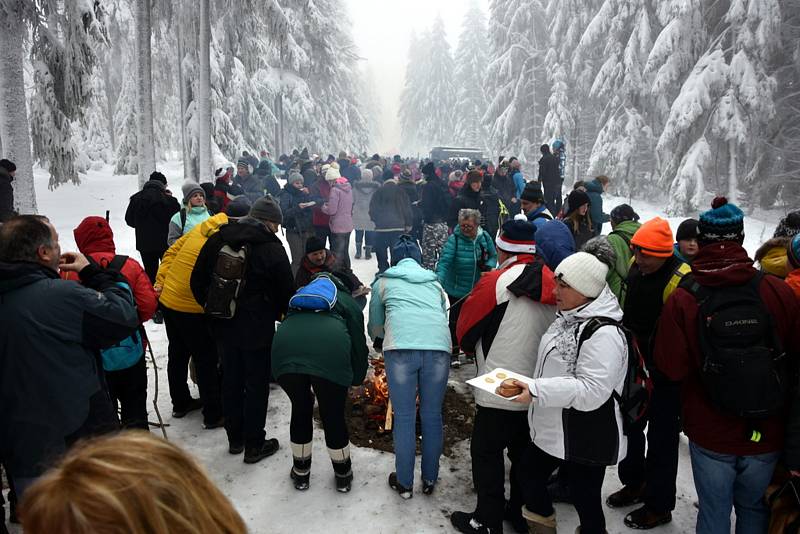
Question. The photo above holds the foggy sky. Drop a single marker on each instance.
(381, 30)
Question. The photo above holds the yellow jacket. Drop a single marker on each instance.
(177, 265)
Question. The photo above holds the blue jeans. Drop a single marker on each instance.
(724, 481)
(407, 372)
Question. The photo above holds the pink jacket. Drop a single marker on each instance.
(340, 207)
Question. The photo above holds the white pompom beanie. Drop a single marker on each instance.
(584, 273)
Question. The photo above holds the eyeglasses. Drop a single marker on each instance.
(467, 226)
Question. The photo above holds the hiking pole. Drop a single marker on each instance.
(155, 397)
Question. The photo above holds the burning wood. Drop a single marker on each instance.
(373, 396)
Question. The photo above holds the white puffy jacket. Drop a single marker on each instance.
(574, 415)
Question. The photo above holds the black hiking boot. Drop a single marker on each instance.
(644, 519)
(428, 487)
(301, 473)
(235, 447)
(466, 523)
(514, 517)
(358, 253)
(367, 253)
(192, 405)
(219, 423)
(344, 475)
(405, 493)
(256, 454)
(158, 317)
(627, 496)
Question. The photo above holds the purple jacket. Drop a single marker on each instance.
(340, 207)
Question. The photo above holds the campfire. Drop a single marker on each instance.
(372, 397)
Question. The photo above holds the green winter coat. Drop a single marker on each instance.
(330, 345)
(620, 239)
(463, 259)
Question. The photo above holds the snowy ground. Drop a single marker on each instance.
(263, 493)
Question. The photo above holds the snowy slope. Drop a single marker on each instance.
(263, 493)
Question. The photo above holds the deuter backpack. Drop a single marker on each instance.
(227, 282)
(744, 368)
(638, 388)
(127, 352)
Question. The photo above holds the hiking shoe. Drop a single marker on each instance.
(219, 423)
(256, 454)
(235, 447)
(428, 487)
(627, 496)
(301, 482)
(192, 405)
(405, 493)
(466, 523)
(644, 519)
(514, 517)
(158, 317)
(358, 253)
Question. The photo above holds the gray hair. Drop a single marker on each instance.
(21, 237)
(466, 213)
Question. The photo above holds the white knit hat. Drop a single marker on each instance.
(584, 273)
(332, 174)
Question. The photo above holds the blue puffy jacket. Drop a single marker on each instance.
(408, 309)
(554, 242)
(462, 261)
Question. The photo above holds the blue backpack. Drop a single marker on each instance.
(127, 352)
(319, 295)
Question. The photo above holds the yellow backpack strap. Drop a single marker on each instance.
(682, 270)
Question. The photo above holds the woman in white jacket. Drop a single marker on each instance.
(575, 421)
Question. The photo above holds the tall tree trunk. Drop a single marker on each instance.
(183, 103)
(109, 104)
(733, 178)
(14, 127)
(146, 151)
(204, 165)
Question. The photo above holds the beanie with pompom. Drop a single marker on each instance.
(723, 222)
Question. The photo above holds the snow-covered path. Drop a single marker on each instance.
(263, 493)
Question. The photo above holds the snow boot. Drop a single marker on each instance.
(256, 454)
(358, 253)
(428, 487)
(405, 493)
(538, 524)
(644, 519)
(301, 468)
(192, 405)
(466, 523)
(367, 253)
(627, 496)
(342, 468)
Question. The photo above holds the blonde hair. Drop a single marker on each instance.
(130, 482)
(603, 179)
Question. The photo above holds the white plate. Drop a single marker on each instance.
(490, 381)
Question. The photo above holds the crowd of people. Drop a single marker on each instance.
(625, 339)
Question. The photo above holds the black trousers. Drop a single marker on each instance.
(452, 321)
(383, 243)
(552, 197)
(331, 399)
(494, 432)
(128, 391)
(189, 336)
(150, 261)
(659, 469)
(585, 483)
(102, 419)
(245, 391)
(324, 233)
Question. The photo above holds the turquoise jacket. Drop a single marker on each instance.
(408, 309)
(458, 268)
(594, 190)
(194, 217)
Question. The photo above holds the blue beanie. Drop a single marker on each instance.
(793, 251)
(723, 222)
(517, 236)
(406, 247)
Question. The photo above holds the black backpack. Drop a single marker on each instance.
(227, 282)
(635, 397)
(744, 369)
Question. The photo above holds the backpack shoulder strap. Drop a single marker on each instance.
(117, 262)
(675, 280)
(593, 325)
(621, 235)
(183, 219)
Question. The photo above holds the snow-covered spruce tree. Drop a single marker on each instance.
(125, 155)
(64, 37)
(518, 45)
(94, 142)
(410, 111)
(146, 154)
(14, 127)
(472, 61)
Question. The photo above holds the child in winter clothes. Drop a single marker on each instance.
(686, 247)
(577, 217)
(624, 224)
(193, 213)
(127, 387)
(574, 419)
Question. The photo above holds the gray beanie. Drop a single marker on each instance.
(295, 177)
(266, 209)
(189, 188)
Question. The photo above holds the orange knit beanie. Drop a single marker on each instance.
(654, 238)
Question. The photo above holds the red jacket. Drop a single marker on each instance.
(677, 351)
(95, 239)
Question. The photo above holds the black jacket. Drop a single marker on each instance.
(435, 201)
(6, 196)
(269, 183)
(548, 170)
(490, 208)
(149, 212)
(390, 208)
(268, 283)
(507, 190)
(50, 334)
(294, 217)
(466, 199)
